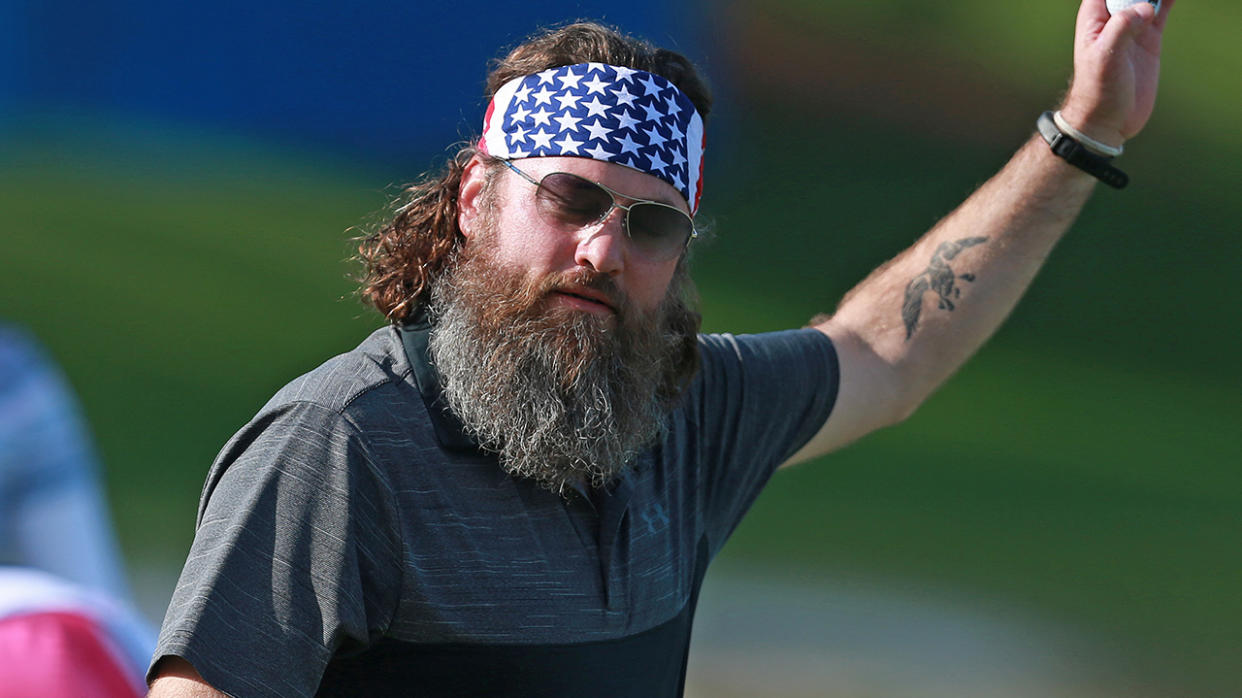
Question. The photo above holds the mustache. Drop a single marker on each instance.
(583, 278)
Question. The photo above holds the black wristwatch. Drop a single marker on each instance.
(1073, 152)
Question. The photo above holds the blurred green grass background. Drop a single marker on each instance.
(1084, 467)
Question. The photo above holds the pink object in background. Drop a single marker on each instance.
(62, 640)
(60, 654)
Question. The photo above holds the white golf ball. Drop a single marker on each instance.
(1115, 6)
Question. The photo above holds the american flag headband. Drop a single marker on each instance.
(605, 112)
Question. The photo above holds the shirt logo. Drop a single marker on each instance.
(656, 517)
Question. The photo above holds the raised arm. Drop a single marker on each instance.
(911, 323)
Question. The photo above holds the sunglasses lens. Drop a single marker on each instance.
(659, 231)
(572, 200)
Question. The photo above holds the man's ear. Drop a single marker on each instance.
(470, 196)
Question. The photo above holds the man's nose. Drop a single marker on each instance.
(601, 246)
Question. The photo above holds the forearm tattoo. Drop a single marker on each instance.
(938, 277)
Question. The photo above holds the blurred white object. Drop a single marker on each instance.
(1115, 6)
(53, 514)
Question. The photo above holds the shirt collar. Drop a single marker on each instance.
(415, 334)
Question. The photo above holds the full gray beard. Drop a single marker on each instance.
(561, 396)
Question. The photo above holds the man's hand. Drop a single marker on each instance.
(1116, 68)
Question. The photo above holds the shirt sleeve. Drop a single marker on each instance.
(295, 557)
(756, 401)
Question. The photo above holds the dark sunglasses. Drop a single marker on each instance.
(657, 231)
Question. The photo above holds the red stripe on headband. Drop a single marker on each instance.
(487, 123)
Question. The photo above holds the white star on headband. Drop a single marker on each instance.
(599, 153)
(568, 145)
(624, 74)
(541, 117)
(653, 111)
(568, 100)
(596, 107)
(544, 96)
(624, 120)
(598, 131)
(568, 122)
(542, 138)
(595, 85)
(624, 96)
(628, 145)
(570, 80)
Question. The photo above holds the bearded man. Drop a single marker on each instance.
(515, 488)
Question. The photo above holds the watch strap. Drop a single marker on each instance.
(1073, 152)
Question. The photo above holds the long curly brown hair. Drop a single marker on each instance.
(402, 258)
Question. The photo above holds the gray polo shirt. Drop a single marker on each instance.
(352, 541)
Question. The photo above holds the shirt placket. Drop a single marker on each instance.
(599, 516)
